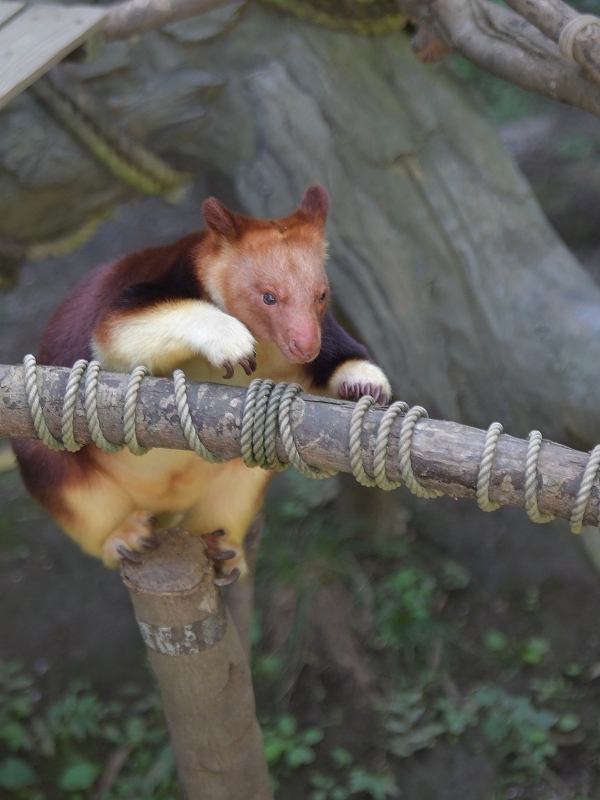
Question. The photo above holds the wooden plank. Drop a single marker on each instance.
(8, 8)
(39, 38)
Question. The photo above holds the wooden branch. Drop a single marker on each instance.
(136, 16)
(445, 455)
(550, 17)
(202, 669)
(507, 45)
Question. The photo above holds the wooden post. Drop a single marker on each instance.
(202, 669)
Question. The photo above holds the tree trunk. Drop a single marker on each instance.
(441, 259)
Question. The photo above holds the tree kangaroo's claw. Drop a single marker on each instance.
(225, 555)
(128, 555)
(361, 390)
(248, 364)
(150, 543)
(346, 391)
(227, 580)
(228, 367)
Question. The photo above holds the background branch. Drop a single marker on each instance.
(510, 47)
(521, 48)
(551, 17)
(136, 16)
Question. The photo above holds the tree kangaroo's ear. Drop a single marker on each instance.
(314, 205)
(221, 220)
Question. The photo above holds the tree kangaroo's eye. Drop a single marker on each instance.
(321, 299)
(269, 299)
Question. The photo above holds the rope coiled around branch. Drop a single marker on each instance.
(268, 413)
(534, 446)
(125, 158)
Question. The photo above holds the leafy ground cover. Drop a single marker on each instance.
(350, 701)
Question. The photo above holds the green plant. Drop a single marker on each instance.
(519, 733)
(409, 725)
(404, 603)
(454, 577)
(326, 788)
(515, 654)
(287, 748)
(78, 743)
(550, 688)
(534, 649)
(495, 641)
(377, 785)
(532, 599)
(516, 728)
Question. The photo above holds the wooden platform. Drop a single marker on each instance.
(33, 38)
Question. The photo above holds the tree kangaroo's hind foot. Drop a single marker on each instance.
(226, 573)
(131, 537)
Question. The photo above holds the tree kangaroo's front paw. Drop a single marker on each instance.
(228, 558)
(132, 537)
(231, 344)
(354, 379)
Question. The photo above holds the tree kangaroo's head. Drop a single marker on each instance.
(270, 274)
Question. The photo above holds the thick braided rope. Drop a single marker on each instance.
(271, 423)
(571, 30)
(260, 422)
(413, 415)
(382, 445)
(92, 378)
(260, 418)
(185, 420)
(287, 436)
(33, 398)
(380, 477)
(485, 468)
(91, 371)
(248, 424)
(127, 159)
(356, 427)
(68, 412)
(131, 396)
(531, 474)
(585, 491)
